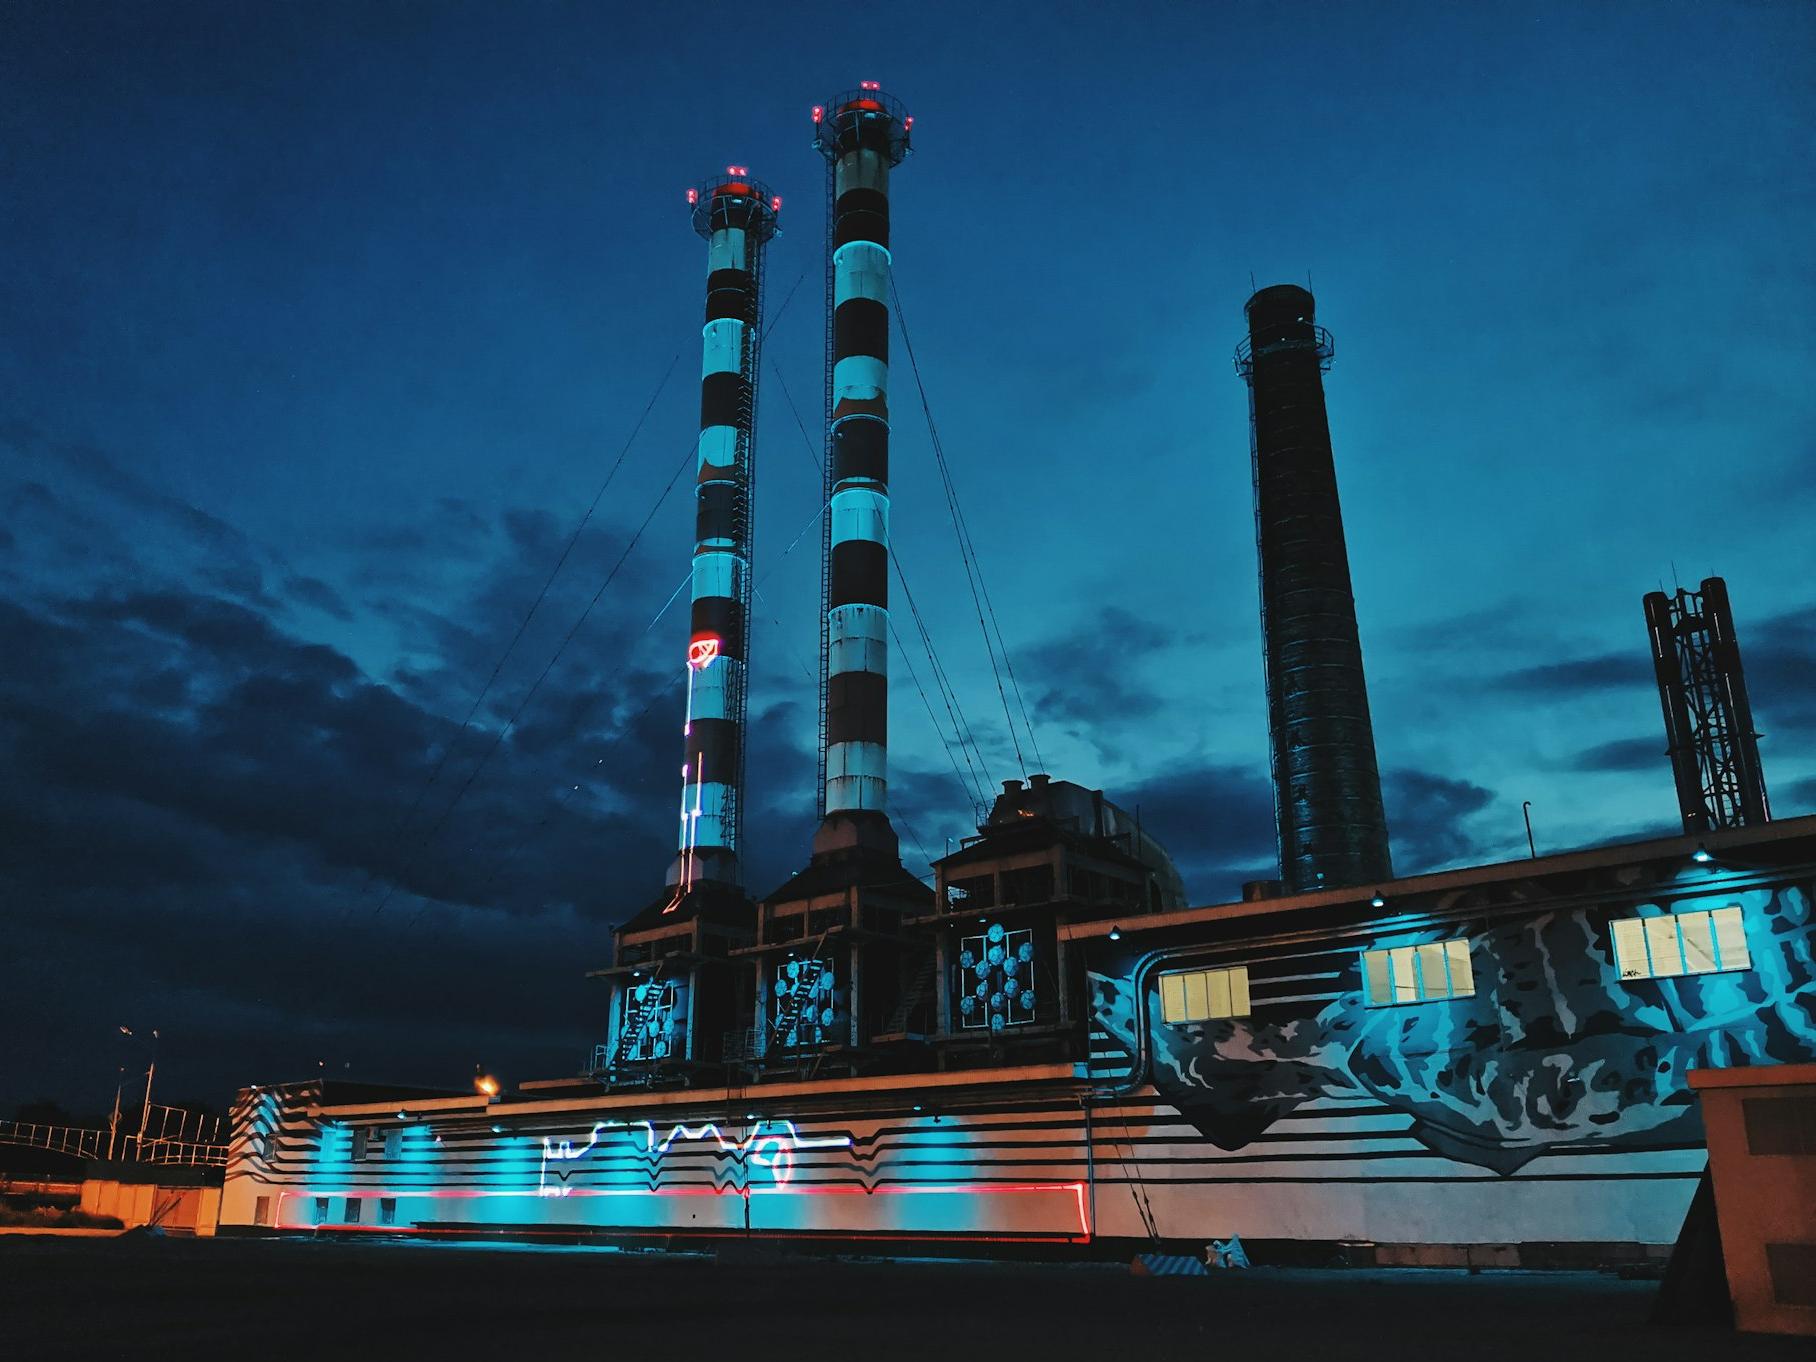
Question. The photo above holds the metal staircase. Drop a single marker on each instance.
(918, 991)
(642, 1006)
(794, 1003)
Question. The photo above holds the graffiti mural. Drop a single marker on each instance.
(1552, 1049)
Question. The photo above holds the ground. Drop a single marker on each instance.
(149, 1298)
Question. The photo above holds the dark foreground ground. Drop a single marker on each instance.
(256, 1299)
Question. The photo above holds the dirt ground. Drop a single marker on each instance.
(260, 1299)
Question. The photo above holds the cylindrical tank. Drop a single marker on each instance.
(1327, 787)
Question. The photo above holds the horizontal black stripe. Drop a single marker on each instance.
(715, 742)
(728, 295)
(860, 574)
(857, 707)
(716, 510)
(722, 398)
(721, 617)
(860, 449)
(860, 326)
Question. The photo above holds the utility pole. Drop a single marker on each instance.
(113, 1121)
(1531, 846)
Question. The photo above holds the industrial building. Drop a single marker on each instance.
(1051, 1045)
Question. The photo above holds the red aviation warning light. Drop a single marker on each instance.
(775, 204)
(868, 85)
(701, 652)
(737, 170)
(693, 196)
(819, 112)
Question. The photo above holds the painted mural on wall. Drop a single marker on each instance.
(1551, 1050)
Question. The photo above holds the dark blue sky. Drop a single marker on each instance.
(324, 324)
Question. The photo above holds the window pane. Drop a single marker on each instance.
(1172, 997)
(1630, 948)
(1731, 938)
(1239, 992)
(1434, 978)
(1698, 934)
(1405, 974)
(1661, 945)
(1218, 1004)
(1377, 989)
(1197, 1001)
(1462, 974)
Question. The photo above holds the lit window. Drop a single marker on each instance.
(996, 979)
(1417, 974)
(1672, 944)
(1204, 994)
(387, 1210)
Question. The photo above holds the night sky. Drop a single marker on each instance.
(324, 324)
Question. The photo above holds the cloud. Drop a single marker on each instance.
(206, 807)
(1583, 675)
(317, 595)
(1427, 814)
(1623, 754)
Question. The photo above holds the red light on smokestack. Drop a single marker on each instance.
(736, 170)
(693, 196)
(908, 122)
(868, 85)
(775, 204)
(819, 112)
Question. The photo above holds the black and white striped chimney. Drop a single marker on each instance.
(863, 134)
(737, 216)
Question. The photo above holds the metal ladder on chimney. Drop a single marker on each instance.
(643, 1005)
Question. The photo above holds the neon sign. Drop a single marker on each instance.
(701, 652)
(773, 1147)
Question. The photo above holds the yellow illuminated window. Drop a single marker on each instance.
(1667, 945)
(1205, 994)
(1417, 974)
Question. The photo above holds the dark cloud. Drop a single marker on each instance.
(1798, 797)
(209, 811)
(1216, 822)
(1583, 675)
(1427, 814)
(1091, 675)
(1778, 655)
(318, 595)
(1623, 754)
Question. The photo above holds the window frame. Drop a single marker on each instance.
(1206, 978)
(1416, 958)
(1653, 934)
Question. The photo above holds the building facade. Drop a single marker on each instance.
(1491, 1061)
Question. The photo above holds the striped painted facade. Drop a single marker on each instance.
(1051, 1164)
(863, 136)
(1546, 1107)
(737, 216)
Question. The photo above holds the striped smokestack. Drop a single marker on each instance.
(736, 215)
(863, 134)
(1327, 789)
